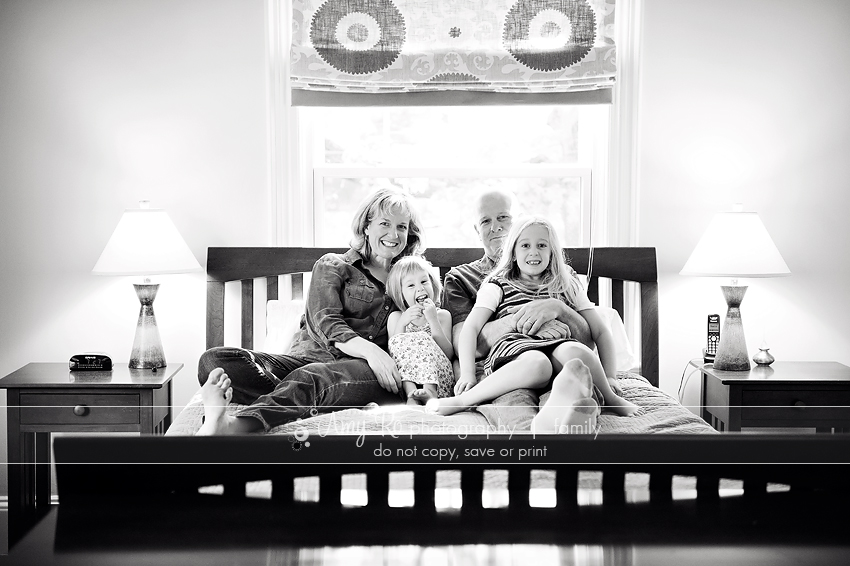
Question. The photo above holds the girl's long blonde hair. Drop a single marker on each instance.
(558, 277)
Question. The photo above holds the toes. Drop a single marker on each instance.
(224, 383)
(215, 375)
(228, 394)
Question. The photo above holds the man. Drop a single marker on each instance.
(544, 317)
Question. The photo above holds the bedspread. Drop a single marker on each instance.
(662, 414)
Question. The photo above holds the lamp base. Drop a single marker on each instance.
(732, 350)
(147, 347)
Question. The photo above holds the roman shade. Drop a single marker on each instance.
(439, 51)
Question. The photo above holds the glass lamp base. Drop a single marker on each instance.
(147, 346)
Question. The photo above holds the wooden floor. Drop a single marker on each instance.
(41, 547)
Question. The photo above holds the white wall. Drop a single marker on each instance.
(103, 103)
(746, 101)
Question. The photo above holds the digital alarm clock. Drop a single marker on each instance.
(91, 361)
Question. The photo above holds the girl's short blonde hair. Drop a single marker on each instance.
(386, 201)
(558, 277)
(405, 266)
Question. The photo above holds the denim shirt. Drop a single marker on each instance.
(344, 301)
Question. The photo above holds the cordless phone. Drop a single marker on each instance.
(713, 338)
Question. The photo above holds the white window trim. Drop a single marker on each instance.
(614, 201)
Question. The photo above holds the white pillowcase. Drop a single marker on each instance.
(626, 359)
(284, 317)
(282, 321)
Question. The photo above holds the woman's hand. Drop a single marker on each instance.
(465, 382)
(385, 370)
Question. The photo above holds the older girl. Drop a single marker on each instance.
(532, 267)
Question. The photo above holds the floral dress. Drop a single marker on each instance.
(420, 359)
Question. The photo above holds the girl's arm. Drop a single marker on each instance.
(604, 341)
(393, 327)
(443, 330)
(467, 345)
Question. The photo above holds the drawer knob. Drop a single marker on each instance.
(799, 404)
(81, 410)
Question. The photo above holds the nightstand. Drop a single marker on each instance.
(784, 394)
(42, 398)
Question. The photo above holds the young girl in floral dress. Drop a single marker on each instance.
(420, 333)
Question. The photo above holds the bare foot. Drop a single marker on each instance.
(570, 408)
(215, 394)
(621, 406)
(422, 396)
(446, 406)
(411, 400)
(615, 386)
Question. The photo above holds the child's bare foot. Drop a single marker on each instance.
(446, 406)
(422, 396)
(215, 394)
(621, 406)
(615, 386)
(570, 408)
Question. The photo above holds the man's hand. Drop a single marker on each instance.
(553, 329)
(530, 317)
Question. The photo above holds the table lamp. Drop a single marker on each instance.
(735, 244)
(146, 242)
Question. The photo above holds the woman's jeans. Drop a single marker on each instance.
(279, 389)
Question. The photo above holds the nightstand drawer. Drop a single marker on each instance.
(795, 405)
(79, 408)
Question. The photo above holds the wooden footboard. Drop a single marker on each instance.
(163, 475)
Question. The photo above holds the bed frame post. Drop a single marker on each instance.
(215, 314)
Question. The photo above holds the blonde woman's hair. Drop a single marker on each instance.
(405, 266)
(558, 277)
(386, 201)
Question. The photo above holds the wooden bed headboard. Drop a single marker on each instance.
(619, 265)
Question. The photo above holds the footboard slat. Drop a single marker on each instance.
(378, 489)
(330, 489)
(519, 484)
(472, 486)
(424, 484)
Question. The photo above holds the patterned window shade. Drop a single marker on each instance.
(549, 50)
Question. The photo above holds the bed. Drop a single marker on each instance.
(305, 469)
(613, 271)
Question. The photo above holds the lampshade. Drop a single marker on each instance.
(736, 244)
(145, 242)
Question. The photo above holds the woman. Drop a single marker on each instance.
(338, 358)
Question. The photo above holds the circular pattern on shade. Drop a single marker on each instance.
(358, 36)
(549, 35)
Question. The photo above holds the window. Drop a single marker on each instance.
(445, 155)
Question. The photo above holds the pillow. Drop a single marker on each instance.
(282, 321)
(626, 359)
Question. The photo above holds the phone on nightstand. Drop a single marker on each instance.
(713, 338)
